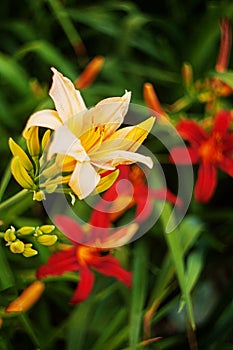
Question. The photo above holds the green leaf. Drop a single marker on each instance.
(6, 276)
(194, 268)
(226, 77)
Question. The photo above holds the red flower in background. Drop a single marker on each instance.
(82, 258)
(212, 150)
(123, 195)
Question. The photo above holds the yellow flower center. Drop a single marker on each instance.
(211, 150)
(93, 137)
(88, 255)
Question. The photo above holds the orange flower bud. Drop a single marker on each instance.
(27, 298)
(152, 100)
(89, 74)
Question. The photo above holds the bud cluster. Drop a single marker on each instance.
(41, 234)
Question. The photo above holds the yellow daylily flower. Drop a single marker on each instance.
(89, 137)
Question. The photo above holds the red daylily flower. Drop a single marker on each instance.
(121, 196)
(212, 150)
(82, 258)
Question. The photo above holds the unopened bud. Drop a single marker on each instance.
(28, 251)
(26, 230)
(38, 196)
(187, 74)
(27, 299)
(47, 240)
(47, 228)
(17, 247)
(9, 235)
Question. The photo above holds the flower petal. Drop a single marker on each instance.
(46, 119)
(206, 182)
(191, 132)
(129, 138)
(67, 99)
(228, 144)
(85, 285)
(59, 263)
(184, 155)
(65, 142)
(70, 228)
(227, 165)
(110, 266)
(109, 113)
(222, 122)
(84, 180)
(106, 160)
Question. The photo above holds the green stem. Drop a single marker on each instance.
(12, 200)
(4, 181)
(173, 242)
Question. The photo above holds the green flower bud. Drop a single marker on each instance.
(26, 230)
(47, 240)
(17, 247)
(47, 228)
(28, 251)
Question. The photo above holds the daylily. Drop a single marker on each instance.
(82, 258)
(123, 195)
(88, 139)
(212, 150)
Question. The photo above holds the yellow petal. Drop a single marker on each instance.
(129, 138)
(83, 180)
(67, 99)
(47, 119)
(106, 181)
(17, 151)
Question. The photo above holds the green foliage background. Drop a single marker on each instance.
(141, 41)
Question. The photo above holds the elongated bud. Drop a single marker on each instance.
(33, 143)
(17, 247)
(9, 235)
(17, 151)
(187, 74)
(152, 100)
(45, 139)
(20, 174)
(28, 251)
(47, 240)
(89, 74)
(38, 196)
(27, 298)
(26, 230)
(47, 228)
(225, 46)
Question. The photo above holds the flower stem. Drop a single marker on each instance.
(12, 200)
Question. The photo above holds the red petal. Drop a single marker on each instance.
(206, 182)
(184, 155)
(228, 144)
(70, 228)
(85, 285)
(59, 263)
(192, 132)
(227, 165)
(222, 122)
(110, 266)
